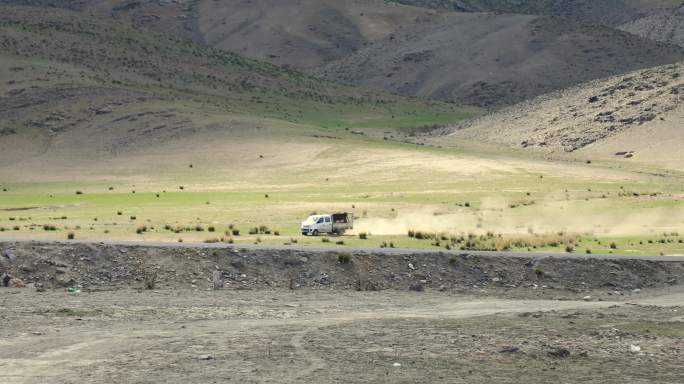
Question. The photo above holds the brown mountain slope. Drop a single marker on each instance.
(639, 115)
(663, 26)
(302, 33)
(475, 58)
(490, 60)
(608, 12)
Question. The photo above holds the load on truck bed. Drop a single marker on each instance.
(336, 223)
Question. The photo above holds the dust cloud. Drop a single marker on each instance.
(552, 217)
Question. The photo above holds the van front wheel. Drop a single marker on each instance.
(315, 232)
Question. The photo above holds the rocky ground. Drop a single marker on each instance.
(101, 313)
(578, 117)
(98, 266)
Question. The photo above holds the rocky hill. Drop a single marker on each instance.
(634, 115)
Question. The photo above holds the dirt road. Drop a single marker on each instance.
(200, 336)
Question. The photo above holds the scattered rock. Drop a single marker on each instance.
(417, 287)
(510, 350)
(559, 353)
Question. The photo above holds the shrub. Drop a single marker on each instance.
(411, 233)
(613, 245)
(49, 227)
(199, 228)
(119, 213)
(363, 236)
(276, 233)
(343, 258)
(211, 229)
(293, 240)
(340, 242)
(325, 240)
(212, 240)
(229, 240)
(134, 217)
(235, 232)
(79, 192)
(141, 229)
(16, 228)
(569, 248)
(391, 245)
(180, 240)
(71, 236)
(588, 251)
(254, 231)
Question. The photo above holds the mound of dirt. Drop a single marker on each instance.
(99, 265)
(581, 116)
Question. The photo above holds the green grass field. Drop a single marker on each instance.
(483, 202)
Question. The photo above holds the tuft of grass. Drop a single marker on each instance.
(343, 258)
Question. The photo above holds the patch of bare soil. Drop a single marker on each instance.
(274, 336)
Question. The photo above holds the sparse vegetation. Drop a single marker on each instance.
(343, 258)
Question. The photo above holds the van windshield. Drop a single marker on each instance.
(311, 220)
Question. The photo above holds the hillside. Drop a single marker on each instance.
(485, 59)
(608, 12)
(663, 26)
(635, 117)
(493, 60)
(77, 88)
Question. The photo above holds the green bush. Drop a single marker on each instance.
(343, 258)
(363, 236)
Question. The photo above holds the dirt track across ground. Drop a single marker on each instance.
(333, 337)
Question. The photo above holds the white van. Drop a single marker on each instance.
(336, 223)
